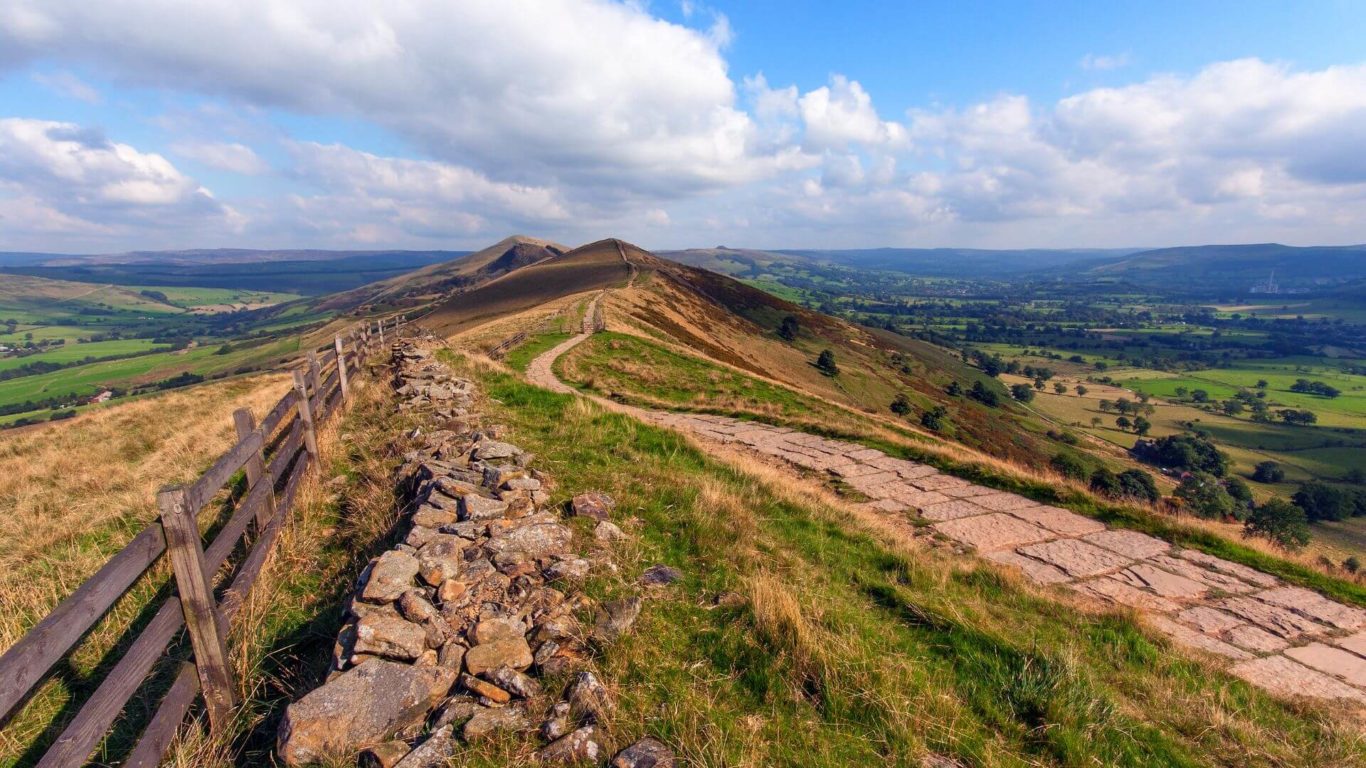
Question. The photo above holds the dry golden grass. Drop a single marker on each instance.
(74, 492)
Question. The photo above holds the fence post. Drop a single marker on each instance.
(306, 416)
(380, 324)
(315, 377)
(178, 522)
(245, 422)
(341, 368)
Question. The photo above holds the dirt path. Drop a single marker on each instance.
(1288, 640)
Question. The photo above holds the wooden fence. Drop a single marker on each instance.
(274, 456)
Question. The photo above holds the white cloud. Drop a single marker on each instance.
(1101, 63)
(841, 114)
(225, 156)
(67, 84)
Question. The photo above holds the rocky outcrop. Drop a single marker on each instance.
(450, 633)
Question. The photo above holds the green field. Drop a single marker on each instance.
(191, 297)
(70, 353)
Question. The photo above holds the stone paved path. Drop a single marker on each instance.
(1288, 640)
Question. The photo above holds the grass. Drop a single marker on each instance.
(70, 353)
(799, 639)
(521, 356)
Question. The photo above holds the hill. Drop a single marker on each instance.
(929, 262)
(1237, 267)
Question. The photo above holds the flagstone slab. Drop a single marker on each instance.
(1160, 582)
(1315, 606)
(1286, 677)
(1059, 521)
(965, 491)
(1211, 621)
(1274, 619)
(1129, 543)
(1040, 573)
(1185, 636)
(917, 471)
(1354, 643)
(992, 532)
(1237, 570)
(939, 482)
(951, 510)
(1117, 591)
(888, 505)
(1004, 502)
(1212, 579)
(1255, 639)
(1076, 558)
(849, 471)
(921, 499)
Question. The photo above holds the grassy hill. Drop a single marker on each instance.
(1238, 267)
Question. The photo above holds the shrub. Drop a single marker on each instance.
(1281, 522)
(1068, 465)
(1204, 495)
(1268, 472)
(789, 328)
(1321, 501)
(1187, 451)
(901, 405)
(1022, 392)
(1137, 484)
(984, 394)
(934, 418)
(1106, 483)
(825, 363)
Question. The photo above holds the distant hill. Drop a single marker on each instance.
(965, 263)
(1237, 267)
(307, 272)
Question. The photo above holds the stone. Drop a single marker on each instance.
(535, 540)
(615, 619)
(1116, 591)
(608, 532)
(1312, 604)
(1249, 575)
(1255, 639)
(513, 652)
(419, 536)
(1334, 661)
(383, 755)
(1354, 643)
(486, 722)
(486, 450)
(1003, 502)
(451, 655)
(1158, 581)
(889, 505)
(439, 559)
(646, 753)
(416, 608)
(577, 747)
(1040, 573)
(994, 531)
(487, 692)
(1276, 620)
(1285, 677)
(1208, 620)
(494, 630)
(939, 482)
(1076, 558)
(557, 722)
(428, 516)
(594, 504)
(455, 711)
(660, 576)
(327, 722)
(588, 699)
(390, 637)
(450, 590)
(476, 507)
(568, 569)
(1210, 578)
(951, 510)
(435, 751)
(1185, 636)
(921, 499)
(1059, 521)
(514, 682)
(1129, 543)
(390, 575)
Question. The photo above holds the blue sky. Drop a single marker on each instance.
(449, 124)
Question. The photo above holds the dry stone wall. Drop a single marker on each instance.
(451, 635)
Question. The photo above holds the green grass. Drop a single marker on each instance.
(847, 652)
(70, 353)
(520, 357)
(186, 296)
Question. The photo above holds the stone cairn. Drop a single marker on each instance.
(449, 635)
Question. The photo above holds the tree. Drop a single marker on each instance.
(934, 418)
(1123, 422)
(789, 328)
(825, 363)
(1241, 495)
(1204, 495)
(1200, 396)
(1142, 425)
(1068, 465)
(1321, 501)
(1185, 451)
(901, 405)
(1106, 483)
(1261, 384)
(1231, 407)
(1293, 416)
(1021, 392)
(1059, 388)
(984, 394)
(1106, 406)
(1305, 386)
(1182, 391)
(1096, 421)
(1081, 390)
(955, 389)
(1281, 522)
(1268, 472)
(1139, 485)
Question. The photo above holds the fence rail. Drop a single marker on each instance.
(274, 456)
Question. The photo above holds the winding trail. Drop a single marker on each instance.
(1288, 640)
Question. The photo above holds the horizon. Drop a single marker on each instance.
(995, 126)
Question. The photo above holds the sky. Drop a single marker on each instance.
(449, 124)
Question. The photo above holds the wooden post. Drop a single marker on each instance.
(380, 324)
(341, 368)
(245, 422)
(196, 601)
(315, 378)
(306, 416)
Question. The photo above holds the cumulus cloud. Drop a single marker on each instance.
(841, 114)
(59, 177)
(224, 156)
